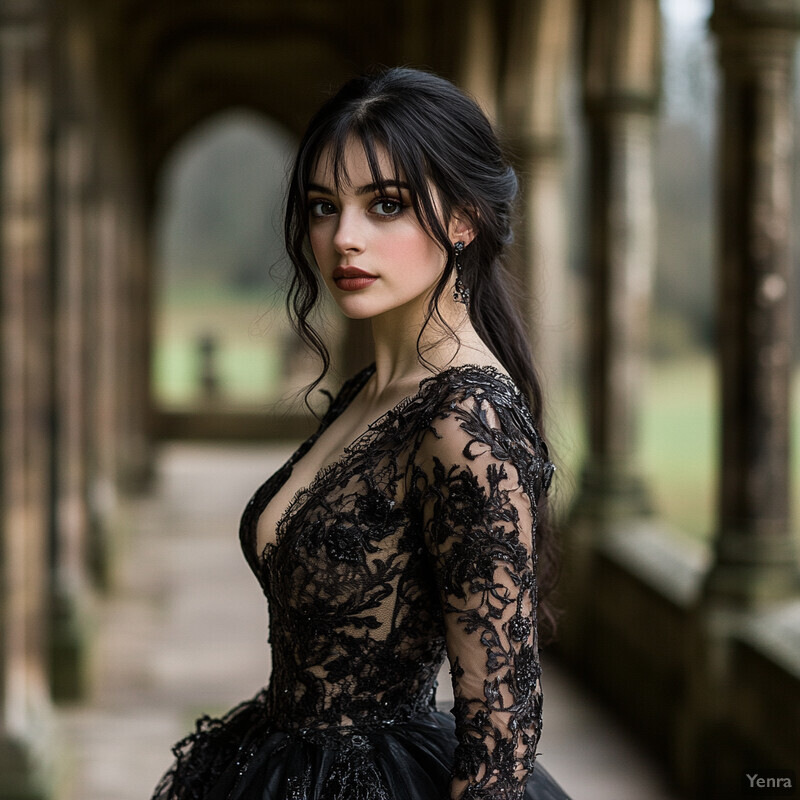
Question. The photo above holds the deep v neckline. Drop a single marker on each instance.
(357, 445)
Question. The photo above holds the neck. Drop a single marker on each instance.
(397, 362)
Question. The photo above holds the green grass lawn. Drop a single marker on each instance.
(679, 441)
(249, 330)
(679, 421)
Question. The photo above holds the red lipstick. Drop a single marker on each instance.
(350, 279)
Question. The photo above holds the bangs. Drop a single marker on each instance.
(408, 163)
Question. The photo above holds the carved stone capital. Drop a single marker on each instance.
(755, 14)
(622, 55)
(755, 33)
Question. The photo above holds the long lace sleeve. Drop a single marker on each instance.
(481, 469)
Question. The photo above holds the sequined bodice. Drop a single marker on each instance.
(419, 540)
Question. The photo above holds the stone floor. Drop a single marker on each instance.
(184, 633)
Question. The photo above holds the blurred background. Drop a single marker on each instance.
(150, 380)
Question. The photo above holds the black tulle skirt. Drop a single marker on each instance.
(408, 760)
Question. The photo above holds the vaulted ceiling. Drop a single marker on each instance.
(172, 64)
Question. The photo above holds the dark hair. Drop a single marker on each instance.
(432, 133)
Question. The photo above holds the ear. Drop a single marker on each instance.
(460, 229)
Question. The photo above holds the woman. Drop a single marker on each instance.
(410, 523)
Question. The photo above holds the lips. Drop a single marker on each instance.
(351, 272)
(350, 279)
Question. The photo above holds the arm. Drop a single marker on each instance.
(479, 515)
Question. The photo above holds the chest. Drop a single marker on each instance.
(323, 454)
(350, 444)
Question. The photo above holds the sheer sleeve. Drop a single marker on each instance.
(480, 474)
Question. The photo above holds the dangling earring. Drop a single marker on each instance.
(460, 292)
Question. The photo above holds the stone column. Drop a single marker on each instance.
(621, 71)
(479, 69)
(25, 746)
(755, 560)
(108, 379)
(139, 466)
(539, 39)
(130, 295)
(119, 314)
(122, 321)
(70, 589)
(133, 334)
(99, 497)
(70, 584)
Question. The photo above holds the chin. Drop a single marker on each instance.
(360, 310)
(357, 314)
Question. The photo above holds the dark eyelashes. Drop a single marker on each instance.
(395, 201)
(317, 202)
(314, 203)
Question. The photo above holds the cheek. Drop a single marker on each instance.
(324, 255)
(417, 253)
(316, 240)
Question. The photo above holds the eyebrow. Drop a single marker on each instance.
(370, 188)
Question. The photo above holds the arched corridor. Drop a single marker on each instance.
(695, 644)
(220, 268)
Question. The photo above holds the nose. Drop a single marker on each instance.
(349, 236)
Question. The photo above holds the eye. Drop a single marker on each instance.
(387, 207)
(321, 208)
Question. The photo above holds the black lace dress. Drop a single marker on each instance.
(418, 541)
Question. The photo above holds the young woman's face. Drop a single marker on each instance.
(371, 249)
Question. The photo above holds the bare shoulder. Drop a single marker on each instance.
(476, 354)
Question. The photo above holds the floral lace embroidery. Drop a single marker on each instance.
(420, 539)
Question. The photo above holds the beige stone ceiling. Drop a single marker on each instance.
(171, 65)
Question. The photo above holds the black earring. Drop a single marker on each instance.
(460, 292)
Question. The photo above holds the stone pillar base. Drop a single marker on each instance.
(611, 491)
(104, 522)
(26, 768)
(138, 476)
(753, 571)
(69, 648)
